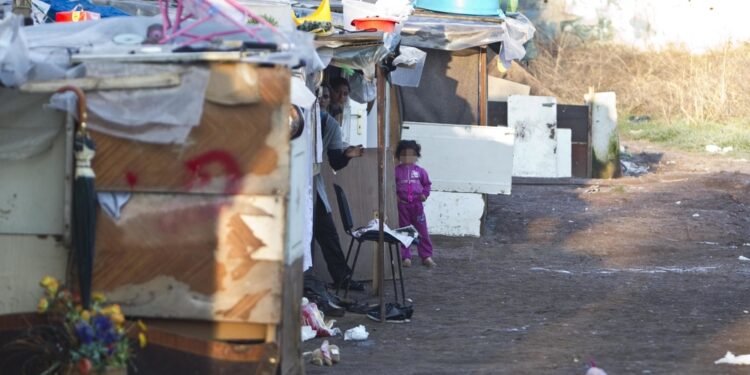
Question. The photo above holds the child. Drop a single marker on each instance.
(413, 188)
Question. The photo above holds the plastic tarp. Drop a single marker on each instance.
(133, 114)
(43, 52)
(27, 129)
(458, 34)
(66, 5)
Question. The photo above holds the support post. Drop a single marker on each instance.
(483, 85)
(381, 187)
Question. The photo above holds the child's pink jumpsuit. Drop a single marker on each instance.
(412, 182)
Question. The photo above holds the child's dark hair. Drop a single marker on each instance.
(408, 145)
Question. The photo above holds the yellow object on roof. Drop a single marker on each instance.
(322, 14)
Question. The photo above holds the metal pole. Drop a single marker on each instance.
(381, 187)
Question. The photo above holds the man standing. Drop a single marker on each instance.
(324, 230)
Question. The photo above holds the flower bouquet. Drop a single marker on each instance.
(78, 340)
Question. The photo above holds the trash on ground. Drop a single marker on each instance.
(714, 149)
(357, 333)
(326, 355)
(313, 317)
(696, 215)
(743, 258)
(639, 119)
(308, 333)
(630, 168)
(678, 203)
(593, 370)
(731, 359)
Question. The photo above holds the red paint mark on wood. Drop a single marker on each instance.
(131, 178)
(199, 165)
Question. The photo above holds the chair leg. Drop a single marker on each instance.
(349, 253)
(401, 278)
(393, 273)
(354, 266)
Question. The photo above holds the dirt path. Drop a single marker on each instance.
(641, 274)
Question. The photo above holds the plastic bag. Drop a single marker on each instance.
(357, 333)
(313, 317)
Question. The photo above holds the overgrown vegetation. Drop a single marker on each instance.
(693, 100)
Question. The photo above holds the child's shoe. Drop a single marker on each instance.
(428, 262)
(407, 262)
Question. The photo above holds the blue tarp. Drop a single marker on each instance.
(66, 5)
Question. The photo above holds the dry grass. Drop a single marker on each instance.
(671, 85)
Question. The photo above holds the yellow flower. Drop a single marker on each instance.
(43, 305)
(142, 340)
(50, 284)
(85, 315)
(118, 319)
(112, 310)
(98, 297)
(142, 326)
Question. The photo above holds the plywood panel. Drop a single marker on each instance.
(194, 257)
(534, 119)
(360, 183)
(564, 153)
(24, 260)
(465, 159)
(32, 192)
(455, 214)
(236, 149)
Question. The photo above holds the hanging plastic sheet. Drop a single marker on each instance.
(456, 34)
(112, 112)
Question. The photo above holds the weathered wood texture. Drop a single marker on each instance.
(170, 353)
(289, 334)
(235, 149)
(574, 117)
(194, 257)
(360, 183)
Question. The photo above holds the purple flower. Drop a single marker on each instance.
(85, 333)
(105, 330)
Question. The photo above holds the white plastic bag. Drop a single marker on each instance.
(357, 333)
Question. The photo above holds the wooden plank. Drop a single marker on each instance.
(204, 330)
(235, 150)
(359, 181)
(580, 160)
(446, 148)
(24, 260)
(158, 359)
(290, 340)
(161, 57)
(483, 95)
(576, 118)
(104, 83)
(534, 119)
(194, 257)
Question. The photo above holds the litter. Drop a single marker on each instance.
(678, 203)
(630, 168)
(327, 355)
(357, 333)
(696, 215)
(743, 258)
(593, 370)
(714, 149)
(731, 359)
(308, 333)
(314, 318)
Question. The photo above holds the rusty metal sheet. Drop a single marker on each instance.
(241, 149)
(194, 257)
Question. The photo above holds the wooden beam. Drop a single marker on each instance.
(105, 83)
(483, 96)
(381, 187)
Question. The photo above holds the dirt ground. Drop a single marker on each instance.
(640, 274)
